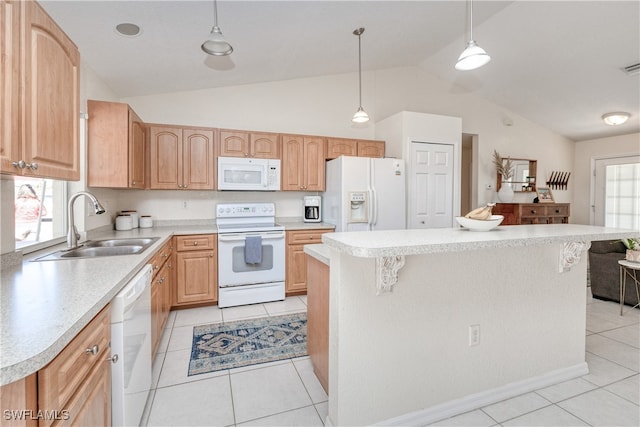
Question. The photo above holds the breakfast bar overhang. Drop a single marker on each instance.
(403, 305)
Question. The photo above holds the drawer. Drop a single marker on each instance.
(535, 210)
(59, 380)
(558, 210)
(161, 256)
(305, 237)
(195, 242)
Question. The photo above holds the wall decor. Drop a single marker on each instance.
(558, 180)
(545, 195)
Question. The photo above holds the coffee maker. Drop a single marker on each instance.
(312, 208)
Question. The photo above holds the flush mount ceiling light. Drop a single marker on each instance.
(473, 56)
(614, 119)
(216, 44)
(360, 116)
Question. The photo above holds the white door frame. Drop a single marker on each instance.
(592, 186)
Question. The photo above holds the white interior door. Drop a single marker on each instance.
(616, 197)
(431, 185)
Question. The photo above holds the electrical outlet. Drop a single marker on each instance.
(474, 335)
(185, 204)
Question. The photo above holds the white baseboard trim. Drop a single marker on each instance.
(484, 398)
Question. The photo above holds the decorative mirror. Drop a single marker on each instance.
(524, 175)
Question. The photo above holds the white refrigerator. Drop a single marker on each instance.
(364, 194)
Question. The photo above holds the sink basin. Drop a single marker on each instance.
(121, 242)
(87, 252)
(102, 248)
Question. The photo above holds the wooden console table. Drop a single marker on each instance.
(533, 213)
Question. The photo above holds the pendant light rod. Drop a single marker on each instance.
(360, 116)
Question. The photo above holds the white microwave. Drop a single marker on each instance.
(248, 174)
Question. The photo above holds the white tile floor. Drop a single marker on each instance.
(286, 393)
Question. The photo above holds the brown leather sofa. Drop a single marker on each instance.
(604, 272)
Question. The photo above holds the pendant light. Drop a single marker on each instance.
(473, 56)
(360, 116)
(216, 44)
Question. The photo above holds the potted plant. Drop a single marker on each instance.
(633, 249)
(505, 168)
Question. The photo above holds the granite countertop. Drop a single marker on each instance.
(45, 304)
(438, 240)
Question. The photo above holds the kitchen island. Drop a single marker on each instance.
(427, 324)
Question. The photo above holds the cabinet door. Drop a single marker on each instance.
(136, 151)
(9, 86)
(337, 147)
(314, 164)
(296, 277)
(108, 144)
(198, 159)
(195, 277)
(371, 149)
(265, 145)
(292, 171)
(51, 97)
(166, 157)
(156, 308)
(234, 143)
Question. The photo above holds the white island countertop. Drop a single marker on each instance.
(440, 240)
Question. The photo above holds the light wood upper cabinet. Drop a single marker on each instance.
(237, 143)
(181, 158)
(371, 149)
(48, 104)
(116, 146)
(337, 147)
(303, 163)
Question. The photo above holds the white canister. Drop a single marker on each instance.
(124, 222)
(146, 221)
(134, 217)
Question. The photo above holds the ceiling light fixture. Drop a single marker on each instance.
(615, 119)
(216, 44)
(473, 56)
(360, 116)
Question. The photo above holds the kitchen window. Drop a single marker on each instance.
(40, 210)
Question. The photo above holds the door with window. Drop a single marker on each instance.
(616, 199)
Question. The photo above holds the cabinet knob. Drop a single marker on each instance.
(533, 211)
(133, 183)
(185, 185)
(92, 351)
(113, 359)
(557, 210)
(33, 166)
(20, 164)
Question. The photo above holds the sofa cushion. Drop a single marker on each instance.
(607, 246)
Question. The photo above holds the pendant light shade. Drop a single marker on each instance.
(360, 116)
(216, 44)
(473, 56)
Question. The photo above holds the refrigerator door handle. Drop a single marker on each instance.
(373, 206)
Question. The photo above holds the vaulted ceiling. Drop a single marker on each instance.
(557, 63)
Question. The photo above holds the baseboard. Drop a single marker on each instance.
(488, 397)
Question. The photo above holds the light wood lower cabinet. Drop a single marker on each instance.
(76, 385)
(18, 400)
(162, 282)
(196, 270)
(318, 319)
(296, 267)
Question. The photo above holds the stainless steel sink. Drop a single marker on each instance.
(102, 248)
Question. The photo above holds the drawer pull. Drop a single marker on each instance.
(533, 211)
(195, 243)
(92, 351)
(113, 359)
(557, 210)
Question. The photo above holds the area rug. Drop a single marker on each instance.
(247, 342)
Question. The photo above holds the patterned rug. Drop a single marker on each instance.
(247, 342)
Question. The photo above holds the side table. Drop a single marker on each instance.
(628, 268)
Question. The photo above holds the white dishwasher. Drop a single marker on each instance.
(131, 340)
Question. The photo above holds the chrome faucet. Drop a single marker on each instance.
(72, 232)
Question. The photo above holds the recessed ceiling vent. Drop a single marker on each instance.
(632, 69)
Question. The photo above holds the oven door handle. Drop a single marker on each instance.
(238, 238)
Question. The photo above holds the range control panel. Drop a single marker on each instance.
(245, 210)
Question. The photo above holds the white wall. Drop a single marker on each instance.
(324, 106)
(585, 153)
